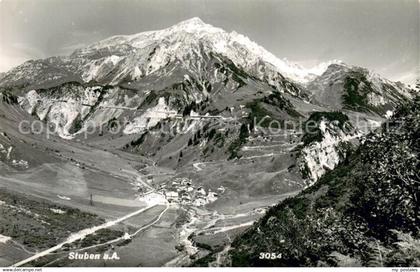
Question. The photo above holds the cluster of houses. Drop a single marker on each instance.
(182, 191)
(20, 163)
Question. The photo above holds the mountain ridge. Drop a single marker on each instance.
(219, 40)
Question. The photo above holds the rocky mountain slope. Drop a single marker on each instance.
(15, 152)
(166, 93)
(328, 140)
(349, 87)
(365, 212)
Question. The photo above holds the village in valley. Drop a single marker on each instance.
(182, 191)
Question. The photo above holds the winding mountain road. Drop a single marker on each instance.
(80, 235)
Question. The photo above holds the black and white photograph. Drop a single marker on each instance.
(209, 133)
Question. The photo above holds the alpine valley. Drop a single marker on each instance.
(175, 147)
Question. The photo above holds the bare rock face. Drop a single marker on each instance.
(327, 142)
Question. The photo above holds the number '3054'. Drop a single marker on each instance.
(269, 256)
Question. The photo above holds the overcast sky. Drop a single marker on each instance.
(382, 35)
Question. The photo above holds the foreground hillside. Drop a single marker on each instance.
(365, 212)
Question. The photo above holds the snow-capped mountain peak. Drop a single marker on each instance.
(194, 22)
(132, 57)
(180, 40)
(323, 66)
